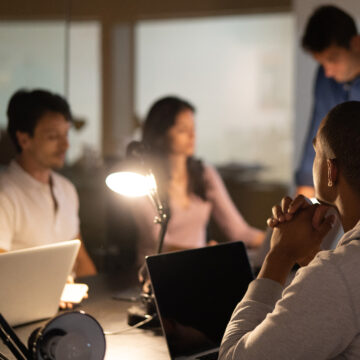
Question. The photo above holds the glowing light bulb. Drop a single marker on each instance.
(130, 184)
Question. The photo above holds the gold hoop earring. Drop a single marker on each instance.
(330, 183)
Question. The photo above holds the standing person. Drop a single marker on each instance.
(318, 315)
(193, 190)
(37, 205)
(332, 39)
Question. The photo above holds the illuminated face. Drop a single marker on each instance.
(339, 63)
(320, 168)
(181, 136)
(47, 147)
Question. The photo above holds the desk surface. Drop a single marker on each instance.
(112, 316)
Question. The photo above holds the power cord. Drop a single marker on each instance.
(141, 323)
(3, 357)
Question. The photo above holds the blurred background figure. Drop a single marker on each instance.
(332, 39)
(193, 190)
(38, 206)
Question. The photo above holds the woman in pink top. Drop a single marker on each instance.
(194, 191)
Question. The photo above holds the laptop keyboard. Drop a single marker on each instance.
(210, 356)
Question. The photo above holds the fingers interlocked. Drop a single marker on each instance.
(286, 210)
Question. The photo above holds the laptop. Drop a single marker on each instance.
(196, 292)
(32, 280)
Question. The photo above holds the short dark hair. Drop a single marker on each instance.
(342, 133)
(328, 26)
(26, 108)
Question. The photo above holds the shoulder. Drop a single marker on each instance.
(336, 269)
(320, 73)
(213, 181)
(212, 177)
(6, 173)
(321, 77)
(321, 80)
(7, 180)
(210, 173)
(10, 191)
(341, 256)
(345, 258)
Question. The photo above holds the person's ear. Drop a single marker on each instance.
(23, 139)
(355, 43)
(332, 171)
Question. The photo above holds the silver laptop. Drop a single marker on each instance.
(196, 292)
(32, 280)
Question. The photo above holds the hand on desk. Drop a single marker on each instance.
(72, 294)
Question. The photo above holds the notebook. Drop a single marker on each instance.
(196, 292)
(32, 280)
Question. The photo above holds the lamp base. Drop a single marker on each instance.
(147, 308)
(142, 312)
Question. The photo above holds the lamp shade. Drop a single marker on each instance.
(131, 184)
(73, 335)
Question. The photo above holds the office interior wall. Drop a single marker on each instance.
(238, 72)
(32, 55)
(116, 10)
(63, 58)
(306, 66)
(84, 90)
(121, 113)
(110, 13)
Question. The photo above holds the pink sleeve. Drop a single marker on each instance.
(224, 212)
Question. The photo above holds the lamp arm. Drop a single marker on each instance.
(11, 340)
(163, 227)
(3, 357)
(162, 218)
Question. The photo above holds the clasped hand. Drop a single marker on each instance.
(299, 228)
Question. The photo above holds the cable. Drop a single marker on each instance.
(3, 357)
(141, 323)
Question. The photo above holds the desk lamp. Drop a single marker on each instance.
(136, 182)
(71, 335)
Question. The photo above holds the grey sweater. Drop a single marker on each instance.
(316, 317)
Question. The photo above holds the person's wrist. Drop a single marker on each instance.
(277, 266)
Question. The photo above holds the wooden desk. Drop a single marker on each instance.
(112, 316)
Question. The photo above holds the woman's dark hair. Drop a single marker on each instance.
(26, 108)
(160, 118)
(328, 26)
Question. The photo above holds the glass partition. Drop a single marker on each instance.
(32, 55)
(64, 58)
(238, 72)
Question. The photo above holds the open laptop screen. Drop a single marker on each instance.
(196, 292)
(32, 280)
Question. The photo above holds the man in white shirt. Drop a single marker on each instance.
(37, 205)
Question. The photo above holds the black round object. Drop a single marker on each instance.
(73, 335)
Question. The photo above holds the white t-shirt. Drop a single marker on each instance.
(27, 213)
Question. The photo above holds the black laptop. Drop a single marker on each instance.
(196, 292)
